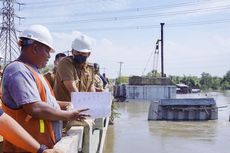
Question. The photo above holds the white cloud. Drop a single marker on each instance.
(63, 42)
(222, 43)
(209, 56)
(188, 50)
(197, 9)
(181, 57)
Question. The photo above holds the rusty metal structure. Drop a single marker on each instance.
(184, 109)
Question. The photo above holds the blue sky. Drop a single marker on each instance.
(196, 32)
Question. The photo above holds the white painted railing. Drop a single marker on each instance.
(72, 143)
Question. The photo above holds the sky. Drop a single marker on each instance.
(196, 33)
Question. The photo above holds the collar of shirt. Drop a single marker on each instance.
(35, 68)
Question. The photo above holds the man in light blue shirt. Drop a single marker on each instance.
(22, 91)
(20, 81)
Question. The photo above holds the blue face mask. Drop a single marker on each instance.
(80, 59)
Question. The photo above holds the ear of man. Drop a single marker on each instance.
(35, 48)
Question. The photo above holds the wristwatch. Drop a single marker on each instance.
(42, 148)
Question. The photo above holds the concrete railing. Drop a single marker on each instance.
(73, 142)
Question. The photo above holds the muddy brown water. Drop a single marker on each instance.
(133, 133)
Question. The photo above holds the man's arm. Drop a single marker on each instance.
(46, 112)
(15, 134)
(65, 70)
(70, 86)
(64, 104)
(92, 88)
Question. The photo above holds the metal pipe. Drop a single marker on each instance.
(162, 50)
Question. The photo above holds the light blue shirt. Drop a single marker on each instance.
(19, 88)
(1, 112)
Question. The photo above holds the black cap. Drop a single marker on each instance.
(96, 66)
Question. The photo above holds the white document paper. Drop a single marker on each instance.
(99, 103)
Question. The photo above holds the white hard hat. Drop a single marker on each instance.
(82, 44)
(39, 33)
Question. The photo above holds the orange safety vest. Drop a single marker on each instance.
(40, 130)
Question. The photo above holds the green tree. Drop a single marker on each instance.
(47, 68)
(153, 73)
(122, 79)
(215, 83)
(227, 76)
(175, 79)
(225, 82)
(225, 85)
(192, 81)
(206, 81)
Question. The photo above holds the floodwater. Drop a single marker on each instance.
(133, 133)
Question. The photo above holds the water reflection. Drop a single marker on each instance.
(110, 137)
(132, 133)
(189, 130)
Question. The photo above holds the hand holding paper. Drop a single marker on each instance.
(78, 115)
(98, 103)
